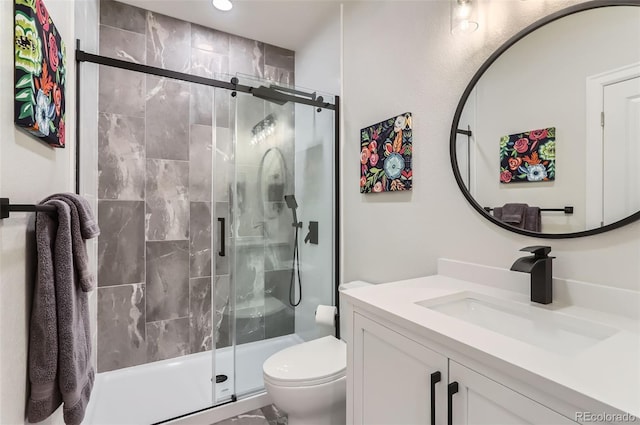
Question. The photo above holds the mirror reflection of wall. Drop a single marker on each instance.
(540, 82)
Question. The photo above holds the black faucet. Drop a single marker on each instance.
(539, 266)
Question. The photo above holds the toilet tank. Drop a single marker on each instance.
(343, 313)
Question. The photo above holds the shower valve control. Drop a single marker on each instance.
(312, 236)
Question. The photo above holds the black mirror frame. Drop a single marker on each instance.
(465, 95)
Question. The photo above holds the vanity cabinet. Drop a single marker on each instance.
(395, 381)
(480, 400)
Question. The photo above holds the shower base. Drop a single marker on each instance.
(166, 389)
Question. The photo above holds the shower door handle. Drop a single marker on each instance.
(435, 378)
(222, 252)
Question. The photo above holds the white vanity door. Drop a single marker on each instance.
(392, 378)
(482, 401)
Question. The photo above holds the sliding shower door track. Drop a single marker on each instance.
(262, 92)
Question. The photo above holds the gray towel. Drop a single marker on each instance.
(83, 226)
(514, 214)
(519, 215)
(532, 219)
(60, 369)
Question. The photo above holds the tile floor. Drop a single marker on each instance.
(268, 415)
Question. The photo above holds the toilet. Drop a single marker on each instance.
(308, 381)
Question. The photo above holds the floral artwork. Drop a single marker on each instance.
(529, 156)
(40, 73)
(385, 155)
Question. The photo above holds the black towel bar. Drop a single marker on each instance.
(566, 210)
(6, 208)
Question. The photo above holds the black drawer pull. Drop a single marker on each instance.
(452, 388)
(435, 378)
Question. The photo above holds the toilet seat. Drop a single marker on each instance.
(310, 363)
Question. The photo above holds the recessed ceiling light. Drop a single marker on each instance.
(223, 5)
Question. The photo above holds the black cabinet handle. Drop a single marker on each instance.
(222, 252)
(435, 378)
(452, 388)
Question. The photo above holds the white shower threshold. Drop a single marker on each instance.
(160, 391)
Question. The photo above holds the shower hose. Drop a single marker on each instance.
(295, 265)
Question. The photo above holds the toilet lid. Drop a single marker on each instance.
(310, 363)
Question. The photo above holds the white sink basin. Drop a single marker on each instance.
(534, 325)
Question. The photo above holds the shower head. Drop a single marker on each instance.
(291, 201)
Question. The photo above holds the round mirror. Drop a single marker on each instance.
(546, 138)
(272, 182)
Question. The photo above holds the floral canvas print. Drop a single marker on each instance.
(385, 155)
(529, 156)
(40, 73)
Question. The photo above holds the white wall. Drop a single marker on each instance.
(399, 56)
(317, 68)
(29, 171)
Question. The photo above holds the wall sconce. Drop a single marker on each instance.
(463, 17)
(263, 129)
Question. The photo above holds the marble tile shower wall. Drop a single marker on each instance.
(156, 171)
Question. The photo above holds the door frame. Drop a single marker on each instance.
(594, 132)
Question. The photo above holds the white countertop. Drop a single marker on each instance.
(608, 371)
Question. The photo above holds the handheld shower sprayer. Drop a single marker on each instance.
(291, 203)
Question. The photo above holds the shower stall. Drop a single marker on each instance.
(217, 201)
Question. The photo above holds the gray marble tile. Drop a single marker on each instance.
(250, 329)
(222, 102)
(124, 45)
(200, 163)
(246, 56)
(167, 129)
(167, 280)
(248, 215)
(249, 278)
(282, 322)
(278, 255)
(121, 92)
(274, 415)
(279, 57)
(167, 339)
(209, 39)
(121, 327)
(224, 164)
(201, 104)
(209, 64)
(167, 188)
(168, 42)
(277, 284)
(249, 292)
(120, 15)
(222, 317)
(279, 76)
(200, 314)
(253, 417)
(200, 239)
(121, 157)
(121, 242)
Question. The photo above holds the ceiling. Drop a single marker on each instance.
(285, 23)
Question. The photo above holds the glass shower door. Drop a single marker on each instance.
(223, 300)
(283, 166)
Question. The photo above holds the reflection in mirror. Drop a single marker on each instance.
(272, 177)
(577, 79)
